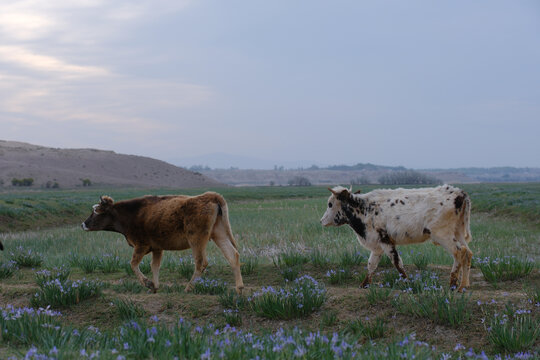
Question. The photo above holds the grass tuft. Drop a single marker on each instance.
(298, 299)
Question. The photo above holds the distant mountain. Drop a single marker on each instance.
(70, 168)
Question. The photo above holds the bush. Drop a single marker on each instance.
(513, 330)
(209, 286)
(58, 293)
(408, 177)
(504, 269)
(299, 181)
(127, 309)
(8, 269)
(22, 182)
(299, 299)
(26, 258)
(61, 273)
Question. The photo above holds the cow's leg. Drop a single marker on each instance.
(136, 258)
(391, 251)
(199, 256)
(466, 257)
(156, 263)
(449, 243)
(373, 262)
(231, 254)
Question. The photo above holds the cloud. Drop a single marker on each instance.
(20, 56)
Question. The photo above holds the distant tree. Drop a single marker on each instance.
(200, 168)
(22, 182)
(299, 181)
(362, 180)
(86, 182)
(408, 177)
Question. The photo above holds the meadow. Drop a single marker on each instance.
(302, 297)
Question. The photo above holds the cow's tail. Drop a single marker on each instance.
(223, 211)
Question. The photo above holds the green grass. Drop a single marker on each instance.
(271, 225)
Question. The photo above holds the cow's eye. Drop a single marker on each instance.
(329, 205)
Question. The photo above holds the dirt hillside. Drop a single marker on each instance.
(68, 168)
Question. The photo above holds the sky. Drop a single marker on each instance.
(420, 84)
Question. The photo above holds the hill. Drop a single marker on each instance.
(70, 168)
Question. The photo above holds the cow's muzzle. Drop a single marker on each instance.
(84, 227)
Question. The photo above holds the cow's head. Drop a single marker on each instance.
(334, 215)
(102, 217)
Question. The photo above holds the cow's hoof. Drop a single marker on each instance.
(239, 290)
(188, 288)
(150, 285)
(461, 289)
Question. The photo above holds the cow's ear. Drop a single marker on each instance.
(343, 195)
(105, 201)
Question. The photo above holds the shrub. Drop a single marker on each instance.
(444, 307)
(298, 299)
(377, 294)
(62, 273)
(26, 258)
(232, 317)
(57, 293)
(88, 264)
(329, 318)
(290, 273)
(8, 269)
(504, 269)
(299, 181)
(109, 263)
(420, 282)
(289, 259)
(209, 286)
(513, 330)
(127, 309)
(420, 260)
(348, 259)
(408, 177)
(319, 258)
(249, 266)
(22, 182)
(372, 329)
(28, 326)
(231, 300)
(339, 276)
(129, 286)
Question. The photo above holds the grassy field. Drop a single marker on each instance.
(106, 314)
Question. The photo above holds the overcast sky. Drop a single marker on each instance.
(421, 84)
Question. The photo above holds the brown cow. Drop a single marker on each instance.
(157, 223)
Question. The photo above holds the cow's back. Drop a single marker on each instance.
(408, 214)
(171, 222)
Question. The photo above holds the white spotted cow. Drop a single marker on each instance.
(383, 219)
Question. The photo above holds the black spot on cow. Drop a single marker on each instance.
(395, 256)
(441, 204)
(402, 202)
(397, 217)
(376, 213)
(384, 238)
(458, 201)
(397, 201)
(354, 221)
(427, 231)
(392, 204)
